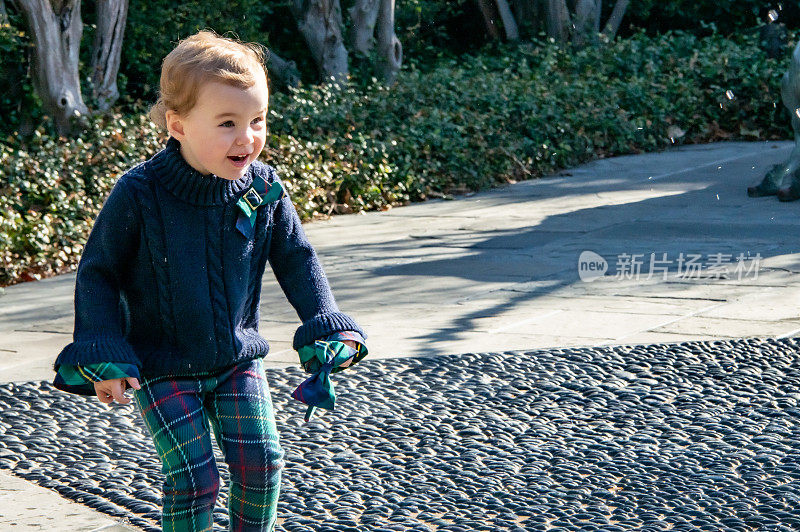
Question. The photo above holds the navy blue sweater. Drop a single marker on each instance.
(168, 283)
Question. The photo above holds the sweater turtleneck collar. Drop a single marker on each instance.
(180, 178)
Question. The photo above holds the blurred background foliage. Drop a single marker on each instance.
(466, 112)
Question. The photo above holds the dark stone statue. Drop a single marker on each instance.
(773, 38)
(783, 179)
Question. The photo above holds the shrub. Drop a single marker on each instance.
(728, 16)
(520, 112)
(154, 27)
(16, 89)
(53, 189)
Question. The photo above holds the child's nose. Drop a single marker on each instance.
(246, 136)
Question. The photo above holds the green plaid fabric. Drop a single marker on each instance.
(81, 379)
(236, 404)
(323, 358)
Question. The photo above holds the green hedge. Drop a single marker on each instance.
(16, 89)
(508, 114)
(728, 16)
(154, 26)
(430, 30)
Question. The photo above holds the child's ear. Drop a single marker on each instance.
(174, 124)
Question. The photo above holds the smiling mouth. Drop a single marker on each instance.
(237, 158)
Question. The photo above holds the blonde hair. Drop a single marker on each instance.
(202, 58)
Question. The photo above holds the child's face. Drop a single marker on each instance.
(225, 122)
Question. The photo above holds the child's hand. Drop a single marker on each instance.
(112, 389)
(352, 344)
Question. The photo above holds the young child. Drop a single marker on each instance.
(168, 290)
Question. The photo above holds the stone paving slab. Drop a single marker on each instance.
(680, 437)
(21, 504)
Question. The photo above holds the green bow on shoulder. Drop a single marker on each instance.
(261, 193)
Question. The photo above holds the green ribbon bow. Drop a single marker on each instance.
(261, 193)
(323, 358)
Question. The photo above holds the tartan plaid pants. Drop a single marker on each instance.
(237, 403)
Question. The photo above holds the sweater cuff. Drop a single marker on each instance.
(323, 325)
(85, 352)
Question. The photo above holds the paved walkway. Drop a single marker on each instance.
(499, 270)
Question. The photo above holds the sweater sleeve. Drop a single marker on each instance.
(98, 335)
(300, 275)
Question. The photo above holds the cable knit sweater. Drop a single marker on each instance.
(166, 282)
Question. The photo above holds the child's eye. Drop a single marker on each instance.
(230, 122)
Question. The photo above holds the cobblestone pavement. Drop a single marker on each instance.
(690, 436)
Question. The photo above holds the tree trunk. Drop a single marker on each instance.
(489, 18)
(320, 23)
(56, 29)
(557, 19)
(285, 72)
(509, 24)
(586, 19)
(107, 49)
(597, 13)
(540, 9)
(364, 15)
(524, 11)
(614, 20)
(529, 16)
(389, 47)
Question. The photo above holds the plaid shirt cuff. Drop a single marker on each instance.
(356, 354)
(80, 379)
